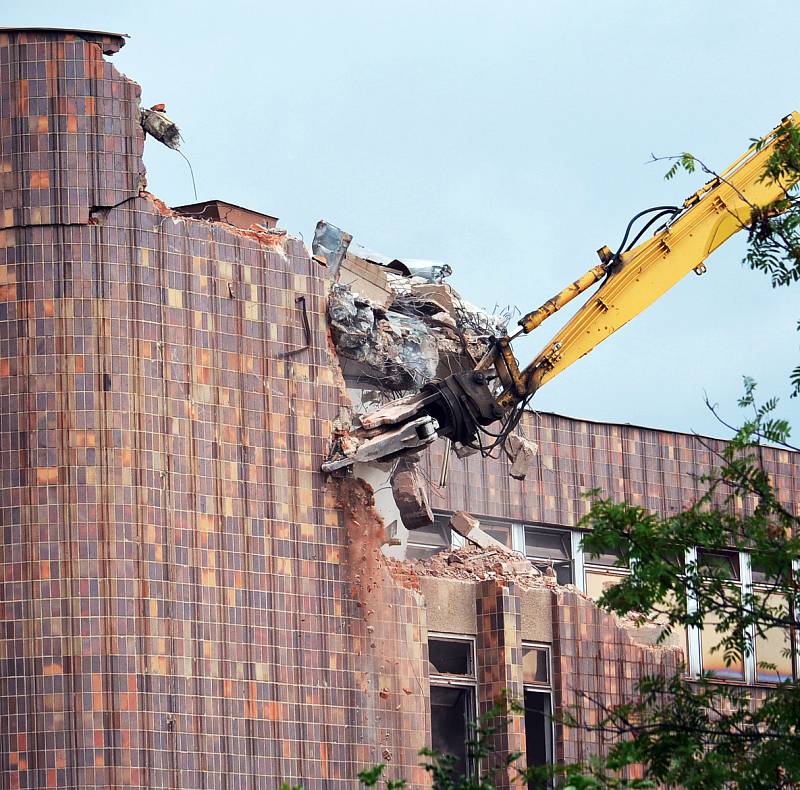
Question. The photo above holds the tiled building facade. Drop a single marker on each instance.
(187, 602)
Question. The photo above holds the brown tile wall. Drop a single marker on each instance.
(596, 664)
(657, 470)
(178, 589)
(499, 660)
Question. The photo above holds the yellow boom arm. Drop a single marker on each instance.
(459, 406)
(640, 276)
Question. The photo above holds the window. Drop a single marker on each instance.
(427, 541)
(550, 548)
(776, 648)
(602, 571)
(451, 666)
(498, 530)
(538, 706)
(724, 565)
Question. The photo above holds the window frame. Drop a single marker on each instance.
(543, 690)
(457, 681)
(766, 586)
(567, 536)
(596, 568)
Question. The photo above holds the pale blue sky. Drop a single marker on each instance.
(509, 139)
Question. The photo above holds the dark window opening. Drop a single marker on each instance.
(538, 731)
(550, 548)
(719, 563)
(450, 658)
(427, 541)
(451, 712)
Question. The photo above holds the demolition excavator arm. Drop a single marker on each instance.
(465, 405)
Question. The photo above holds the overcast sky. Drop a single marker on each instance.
(508, 139)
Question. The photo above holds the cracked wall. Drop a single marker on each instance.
(177, 580)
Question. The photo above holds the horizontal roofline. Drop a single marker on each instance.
(224, 203)
(62, 30)
(648, 428)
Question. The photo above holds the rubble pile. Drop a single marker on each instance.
(474, 563)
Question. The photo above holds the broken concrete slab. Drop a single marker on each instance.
(522, 453)
(158, 125)
(330, 245)
(366, 279)
(469, 527)
(409, 489)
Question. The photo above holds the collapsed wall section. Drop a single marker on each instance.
(178, 603)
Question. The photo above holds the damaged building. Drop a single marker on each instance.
(188, 600)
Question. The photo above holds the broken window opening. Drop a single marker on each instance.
(452, 698)
(450, 657)
(550, 548)
(424, 542)
(538, 706)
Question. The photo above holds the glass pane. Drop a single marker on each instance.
(450, 713)
(719, 563)
(715, 661)
(547, 543)
(498, 531)
(538, 731)
(760, 576)
(535, 666)
(774, 648)
(422, 552)
(611, 558)
(437, 534)
(450, 658)
(597, 581)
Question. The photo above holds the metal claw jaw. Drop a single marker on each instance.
(408, 436)
(398, 427)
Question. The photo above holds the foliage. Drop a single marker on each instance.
(773, 230)
(704, 734)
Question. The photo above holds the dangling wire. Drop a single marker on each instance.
(191, 171)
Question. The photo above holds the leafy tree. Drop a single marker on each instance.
(700, 733)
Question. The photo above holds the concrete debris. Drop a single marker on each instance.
(156, 123)
(470, 528)
(400, 331)
(366, 279)
(420, 268)
(462, 451)
(430, 271)
(395, 350)
(478, 564)
(521, 453)
(408, 488)
(329, 245)
(396, 326)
